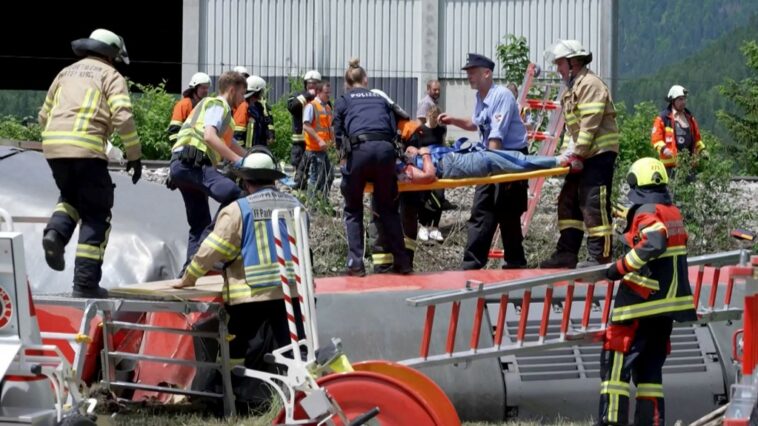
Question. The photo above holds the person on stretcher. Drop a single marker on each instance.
(467, 159)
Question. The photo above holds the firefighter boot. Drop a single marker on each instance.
(560, 259)
(54, 247)
(84, 292)
(593, 262)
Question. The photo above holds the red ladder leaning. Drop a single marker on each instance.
(535, 110)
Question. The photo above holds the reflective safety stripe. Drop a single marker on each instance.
(239, 128)
(571, 118)
(642, 281)
(195, 269)
(175, 123)
(607, 140)
(591, 108)
(614, 387)
(649, 390)
(382, 258)
(67, 209)
(669, 304)
(699, 146)
(659, 145)
(674, 251)
(267, 275)
(600, 231)
(633, 259)
(657, 226)
(130, 139)
(119, 101)
(220, 245)
(86, 110)
(410, 244)
(608, 231)
(80, 139)
(617, 386)
(302, 100)
(570, 223)
(298, 138)
(584, 138)
(89, 251)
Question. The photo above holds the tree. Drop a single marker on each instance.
(514, 56)
(744, 127)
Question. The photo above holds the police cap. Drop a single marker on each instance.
(476, 60)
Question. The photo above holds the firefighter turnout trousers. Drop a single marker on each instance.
(585, 202)
(641, 362)
(86, 199)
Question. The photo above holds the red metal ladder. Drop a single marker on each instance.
(560, 294)
(545, 106)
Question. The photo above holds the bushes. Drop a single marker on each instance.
(22, 130)
(152, 113)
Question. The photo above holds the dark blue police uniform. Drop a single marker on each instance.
(365, 127)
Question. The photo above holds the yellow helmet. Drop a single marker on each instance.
(647, 172)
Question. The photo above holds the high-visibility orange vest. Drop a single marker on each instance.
(322, 124)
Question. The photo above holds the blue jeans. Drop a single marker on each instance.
(197, 184)
(320, 174)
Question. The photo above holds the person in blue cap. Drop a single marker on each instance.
(496, 117)
(365, 125)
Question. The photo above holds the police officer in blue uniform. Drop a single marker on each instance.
(496, 117)
(365, 128)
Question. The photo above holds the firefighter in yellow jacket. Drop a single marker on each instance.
(86, 103)
(654, 292)
(242, 239)
(585, 199)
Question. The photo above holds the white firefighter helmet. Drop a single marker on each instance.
(312, 75)
(676, 91)
(102, 42)
(242, 70)
(567, 49)
(254, 85)
(199, 78)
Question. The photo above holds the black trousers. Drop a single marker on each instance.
(430, 211)
(642, 364)
(372, 161)
(585, 202)
(297, 159)
(496, 204)
(86, 199)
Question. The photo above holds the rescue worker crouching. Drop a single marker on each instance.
(676, 130)
(654, 292)
(253, 124)
(205, 139)
(365, 127)
(196, 91)
(242, 239)
(85, 103)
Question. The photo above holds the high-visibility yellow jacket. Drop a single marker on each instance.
(243, 240)
(86, 103)
(590, 115)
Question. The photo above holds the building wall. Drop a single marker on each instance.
(401, 43)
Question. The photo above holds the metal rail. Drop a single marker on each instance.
(559, 293)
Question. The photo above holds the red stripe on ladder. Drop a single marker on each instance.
(452, 328)
(588, 305)
(698, 285)
(427, 337)
(567, 309)
(608, 301)
(524, 314)
(477, 323)
(714, 288)
(501, 319)
(546, 308)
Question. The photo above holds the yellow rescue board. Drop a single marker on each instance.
(454, 183)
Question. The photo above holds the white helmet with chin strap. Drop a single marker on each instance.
(199, 78)
(567, 49)
(102, 42)
(312, 75)
(676, 91)
(255, 85)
